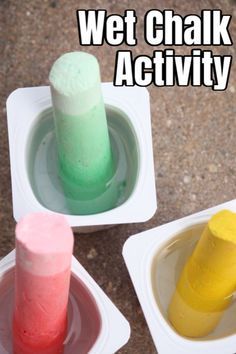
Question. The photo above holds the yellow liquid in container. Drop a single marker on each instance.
(208, 279)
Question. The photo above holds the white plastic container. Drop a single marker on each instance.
(35, 185)
(95, 325)
(155, 259)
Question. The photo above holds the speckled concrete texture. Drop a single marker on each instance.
(194, 132)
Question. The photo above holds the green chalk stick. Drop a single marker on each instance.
(84, 150)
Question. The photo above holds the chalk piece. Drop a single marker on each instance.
(85, 156)
(44, 244)
(208, 280)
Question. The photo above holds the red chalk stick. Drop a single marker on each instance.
(44, 244)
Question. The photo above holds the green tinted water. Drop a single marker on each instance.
(84, 199)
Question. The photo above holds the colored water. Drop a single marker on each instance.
(84, 322)
(166, 268)
(43, 167)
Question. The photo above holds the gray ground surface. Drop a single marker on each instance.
(193, 133)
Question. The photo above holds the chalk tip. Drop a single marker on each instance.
(47, 233)
(74, 72)
(223, 225)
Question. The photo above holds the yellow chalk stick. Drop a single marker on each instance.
(208, 279)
